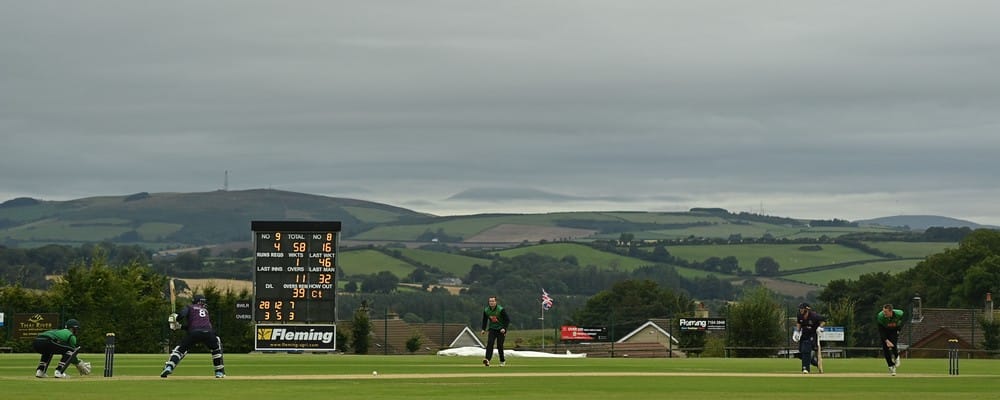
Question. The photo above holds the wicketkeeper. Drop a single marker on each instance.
(60, 341)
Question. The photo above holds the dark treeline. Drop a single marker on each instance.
(955, 278)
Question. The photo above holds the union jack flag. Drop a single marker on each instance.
(546, 300)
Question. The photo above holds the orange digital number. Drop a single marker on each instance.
(299, 247)
(329, 237)
(264, 305)
(327, 247)
(325, 278)
(267, 315)
(277, 235)
(291, 316)
(277, 246)
(325, 262)
(277, 305)
(299, 293)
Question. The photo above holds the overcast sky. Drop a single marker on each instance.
(804, 109)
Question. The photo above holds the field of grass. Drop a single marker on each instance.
(853, 271)
(912, 249)
(586, 255)
(454, 263)
(322, 376)
(79, 230)
(788, 256)
(366, 262)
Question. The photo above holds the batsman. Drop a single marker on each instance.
(808, 325)
(199, 330)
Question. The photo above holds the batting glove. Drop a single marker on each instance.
(796, 336)
(819, 330)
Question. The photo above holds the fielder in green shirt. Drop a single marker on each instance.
(889, 322)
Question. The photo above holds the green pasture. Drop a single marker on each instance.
(372, 214)
(912, 249)
(456, 264)
(157, 230)
(469, 226)
(788, 256)
(586, 255)
(69, 230)
(665, 217)
(323, 376)
(366, 262)
(853, 272)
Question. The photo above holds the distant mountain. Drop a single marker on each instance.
(171, 219)
(495, 194)
(922, 222)
(181, 220)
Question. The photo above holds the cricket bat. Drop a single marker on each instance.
(173, 297)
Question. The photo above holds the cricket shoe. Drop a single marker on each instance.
(805, 371)
(892, 370)
(486, 362)
(502, 363)
(220, 374)
(896, 360)
(61, 375)
(40, 374)
(166, 372)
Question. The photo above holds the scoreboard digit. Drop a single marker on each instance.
(295, 271)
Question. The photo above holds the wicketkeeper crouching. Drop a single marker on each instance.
(60, 341)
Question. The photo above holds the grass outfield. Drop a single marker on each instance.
(321, 376)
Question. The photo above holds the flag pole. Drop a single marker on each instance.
(543, 325)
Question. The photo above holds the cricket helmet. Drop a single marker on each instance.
(804, 306)
(72, 323)
(199, 298)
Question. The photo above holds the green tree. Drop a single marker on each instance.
(382, 282)
(766, 266)
(631, 303)
(758, 319)
(361, 328)
(127, 300)
(414, 342)
(842, 313)
(991, 334)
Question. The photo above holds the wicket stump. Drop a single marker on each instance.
(952, 356)
(109, 354)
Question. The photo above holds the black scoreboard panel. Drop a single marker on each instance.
(295, 271)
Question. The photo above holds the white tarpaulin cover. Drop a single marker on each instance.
(473, 351)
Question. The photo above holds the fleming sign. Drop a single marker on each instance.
(702, 324)
(296, 337)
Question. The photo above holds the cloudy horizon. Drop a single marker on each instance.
(802, 109)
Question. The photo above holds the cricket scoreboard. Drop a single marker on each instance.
(295, 271)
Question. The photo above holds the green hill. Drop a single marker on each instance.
(161, 220)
